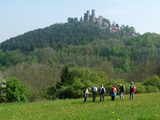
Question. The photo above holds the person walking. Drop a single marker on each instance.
(113, 92)
(94, 93)
(132, 90)
(122, 89)
(102, 92)
(86, 93)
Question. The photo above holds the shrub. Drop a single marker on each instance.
(74, 90)
(15, 91)
(50, 93)
(140, 88)
(34, 95)
(153, 81)
(66, 92)
(150, 89)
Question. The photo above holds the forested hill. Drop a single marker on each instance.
(85, 43)
(93, 53)
(73, 32)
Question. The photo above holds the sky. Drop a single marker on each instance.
(20, 16)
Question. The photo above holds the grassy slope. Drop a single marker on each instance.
(143, 107)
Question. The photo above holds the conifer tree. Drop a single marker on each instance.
(65, 76)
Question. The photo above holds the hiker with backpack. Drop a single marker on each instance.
(113, 92)
(132, 90)
(86, 93)
(102, 92)
(94, 93)
(122, 89)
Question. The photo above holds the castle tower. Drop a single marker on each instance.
(86, 16)
(92, 16)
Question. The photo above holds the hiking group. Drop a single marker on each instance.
(113, 92)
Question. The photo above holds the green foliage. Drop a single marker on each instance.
(80, 78)
(15, 91)
(65, 76)
(77, 87)
(153, 81)
(150, 88)
(56, 36)
(72, 20)
(140, 88)
(50, 93)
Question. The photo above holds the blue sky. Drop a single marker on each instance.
(20, 16)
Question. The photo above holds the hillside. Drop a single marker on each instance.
(60, 35)
(107, 51)
(55, 36)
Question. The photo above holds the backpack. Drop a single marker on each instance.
(112, 89)
(123, 88)
(133, 89)
(102, 91)
(94, 89)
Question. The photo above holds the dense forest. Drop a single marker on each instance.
(38, 57)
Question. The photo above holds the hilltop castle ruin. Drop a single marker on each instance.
(92, 17)
(103, 22)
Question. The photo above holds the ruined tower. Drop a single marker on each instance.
(86, 16)
(92, 17)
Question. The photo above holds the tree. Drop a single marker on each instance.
(106, 22)
(72, 20)
(65, 77)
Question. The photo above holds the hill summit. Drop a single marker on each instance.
(74, 31)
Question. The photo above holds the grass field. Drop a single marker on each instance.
(143, 107)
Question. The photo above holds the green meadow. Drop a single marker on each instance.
(143, 107)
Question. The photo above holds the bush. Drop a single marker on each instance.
(50, 93)
(75, 90)
(150, 89)
(140, 88)
(15, 91)
(66, 92)
(153, 81)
